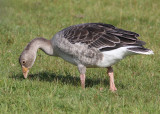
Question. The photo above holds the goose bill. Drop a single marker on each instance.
(25, 71)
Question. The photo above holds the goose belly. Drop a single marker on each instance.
(68, 58)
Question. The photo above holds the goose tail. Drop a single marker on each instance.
(141, 50)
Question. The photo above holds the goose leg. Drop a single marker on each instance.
(110, 73)
(82, 71)
(82, 77)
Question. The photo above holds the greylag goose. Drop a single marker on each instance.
(86, 45)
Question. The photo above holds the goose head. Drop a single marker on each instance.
(28, 56)
(26, 61)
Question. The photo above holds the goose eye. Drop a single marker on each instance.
(23, 61)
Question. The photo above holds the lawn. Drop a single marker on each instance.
(53, 85)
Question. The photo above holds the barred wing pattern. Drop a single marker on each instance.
(101, 36)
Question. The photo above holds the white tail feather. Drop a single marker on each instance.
(150, 52)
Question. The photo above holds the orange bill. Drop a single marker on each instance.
(25, 71)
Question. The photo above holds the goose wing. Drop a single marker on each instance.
(101, 36)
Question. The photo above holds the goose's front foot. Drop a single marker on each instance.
(113, 89)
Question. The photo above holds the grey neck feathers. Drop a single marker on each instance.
(40, 43)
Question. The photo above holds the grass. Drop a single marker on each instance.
(53, 85)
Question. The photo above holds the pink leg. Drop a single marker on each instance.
(112, 85)
(82, 77)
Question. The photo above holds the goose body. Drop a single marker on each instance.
(86, 46)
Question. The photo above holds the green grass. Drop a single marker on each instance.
(53, 85)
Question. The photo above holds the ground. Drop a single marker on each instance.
(53, 85)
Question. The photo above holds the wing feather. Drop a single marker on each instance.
(100, 36)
